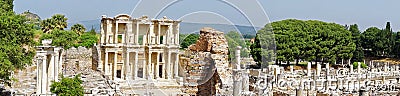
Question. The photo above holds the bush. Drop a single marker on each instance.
(68, 86)
(87, 40)
(363, 65)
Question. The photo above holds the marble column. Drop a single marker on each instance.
(176, 65)
(318, 69)
(245, 82)
(114, 71)
(291, 69)
(56, 67)
(60, 63)
(144, 67)
(149, 66)
(358, 67)
(106, 69)
(327, 69)
(168, 73)
(39, 65)
(309, 69)
(128, 66)
(385, 66)
(137, 34)
(157, 66)
(237, 82)
(351, 68)
(135, 69)
(51, 69)
(44, 75)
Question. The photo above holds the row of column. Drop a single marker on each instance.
(48, 68)
(170, 69)
(150, 69)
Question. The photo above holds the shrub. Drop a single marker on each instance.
(363, 65)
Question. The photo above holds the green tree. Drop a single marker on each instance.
(188, 39)
(396, 46)
(64, 38)
(263, 49)
(57, 21)
(78, 28)
(6, 6)
(370, 41)
(358, 53)
(68, 86)
(87, 40)
(16, 41)
(310, 40)
(235, 39)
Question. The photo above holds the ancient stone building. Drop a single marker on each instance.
(48, 60)
(139, 48)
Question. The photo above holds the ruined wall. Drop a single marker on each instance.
(209, 66)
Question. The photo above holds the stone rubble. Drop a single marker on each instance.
(209, 66)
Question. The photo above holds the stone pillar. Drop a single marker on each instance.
(237, 82)
(359, 67)
(157, 66)
(291, 69)
(106, 66)
(237, 55)
(176, 74)
(56, 67)
(158, 34)
(50, 69)
(128, 66)
(385, 66)
(116, 34)
(44, 75)
(245, 82)
(351, 68)
(39, 65)
(137, 35)
(318, 69)
(144, 69)
(114, 71)
(309, 69)
(177, 38)
(149, 65)
(152, 73)
(60, 63)
(327, 68)
(168, 67)
(135, 69)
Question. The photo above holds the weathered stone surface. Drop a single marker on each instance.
(209, 69)
(212, 41)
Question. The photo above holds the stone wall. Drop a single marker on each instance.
(77, 59)
(209, 65)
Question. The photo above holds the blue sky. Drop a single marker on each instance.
(365, 13)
